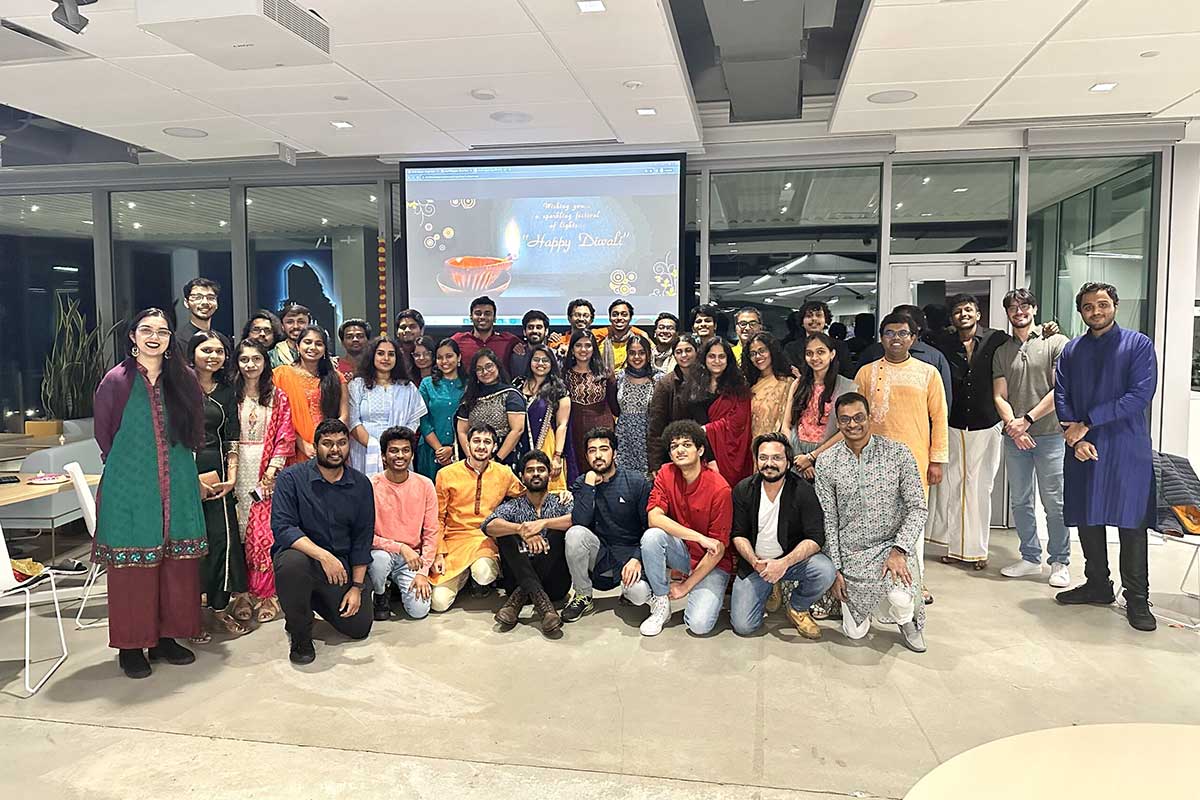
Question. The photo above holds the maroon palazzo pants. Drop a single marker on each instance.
(149, 603)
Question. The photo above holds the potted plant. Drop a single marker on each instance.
(74, 368)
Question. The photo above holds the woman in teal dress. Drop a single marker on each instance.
(442, 392)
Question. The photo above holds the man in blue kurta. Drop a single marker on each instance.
(1104, 382)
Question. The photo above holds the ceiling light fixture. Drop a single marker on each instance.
(783, 209)
(131, 204)
(341, 124)
(185, 133)
(926, 213)
(925, 180)
(341, 98)
(899, 206)
(63, 268)
(324, 220)
(249, 201)
(222, 223)
(483, 94)
(892, 96)
(35, 208)
(1103, 87)
(137, 226)
(787, 186)
(1149, 54)
(633, 84)
(960, 190)
(511, 117)
(88, 222)
(761, 279)
(768, 299)
(373, 198)
(647, 112)
(590, 6)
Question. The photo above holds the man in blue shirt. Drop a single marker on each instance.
(323, 518)
(604, 545)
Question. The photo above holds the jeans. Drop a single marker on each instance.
(814, 575)
(662, 551)
(583, 549)
(303, 589)
(1045, 461)
(386, 565)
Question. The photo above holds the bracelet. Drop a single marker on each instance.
(1028, 419)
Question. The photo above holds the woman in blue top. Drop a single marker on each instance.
(382, 395)
(442, 392)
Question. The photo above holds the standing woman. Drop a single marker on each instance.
(719, 395)
(150, 532)
(315, 390)
(382, 395)
(593, 393)
(492, 399)
(548, 410)
(423, 354)
(268, 440)
(442, 394)
(770, 382)
(223, 570)
(635, 386)
(662, 399)
(809, 421)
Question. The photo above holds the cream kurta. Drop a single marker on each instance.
(908, 404)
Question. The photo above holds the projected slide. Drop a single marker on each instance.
(536, 236)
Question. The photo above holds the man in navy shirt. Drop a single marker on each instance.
(323, 518)
(604, 545)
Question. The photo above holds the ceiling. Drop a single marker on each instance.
(401, 75)
(973, 62)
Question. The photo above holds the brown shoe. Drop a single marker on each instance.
(508, 613)
(806, 626)
(551, 621)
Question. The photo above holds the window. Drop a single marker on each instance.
(957, 207)
(46, 255)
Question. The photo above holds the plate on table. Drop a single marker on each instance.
(49, 479)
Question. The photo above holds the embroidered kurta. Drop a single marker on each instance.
(593, 405)
(908, 404)
(441, 399)
(872, 503)
(268, 438)
(377, 409)
(767, 397)
(494, 404)
(465, 499)
(633, 426)
(304, 395)
(1108, 382)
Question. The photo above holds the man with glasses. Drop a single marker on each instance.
(666, 334)
(918, 348)
(778, 531)
(874, 504)
(200, 299)
(746, 322)
(483, 333)
(263, 327)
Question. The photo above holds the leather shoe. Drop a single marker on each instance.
(1087, 594)
(302, 651)
(508, 613)
(805, 625)
(1137, 611)
(382, 607)
(134, 663)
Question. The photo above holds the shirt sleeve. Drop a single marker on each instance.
(108, 406)
(660, 497)
(285, 510)
(284, 446)
(505, 511)
(827, 496)
(939, 431)
(514, 402)
(364, 526)
(1141, 382)
(1063, 407)
(356, 391)
(721, 515)
(583, 511)
(741, 527)
(427, 418)
(943, 368)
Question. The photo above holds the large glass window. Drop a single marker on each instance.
(318, 246)
(957, 207)
(1092, 219)
(46, 255)
(162, 240)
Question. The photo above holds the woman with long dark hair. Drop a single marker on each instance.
(423, 352)
(548, 410)
(635, 386)
(492, 399)
(268, 440)
(593, 393)
(770, 379)
(442, 394)
(809, 420)
(150, 532)
(382, 395)
(315, 390)
(662, 399)
(716, 396)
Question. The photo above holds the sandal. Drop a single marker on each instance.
(204, 638)
(269, 610)
(229, 624)
(980, 566)
(927, 596)
(242, 607)
(948, 560)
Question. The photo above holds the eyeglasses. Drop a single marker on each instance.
(897, 334)
(488, 367)
(749, 324)
(540, 361)
(857, 419)
(772, 459)
(196, 298)
(154, 333)
(261, 329)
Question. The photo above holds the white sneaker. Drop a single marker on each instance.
(660, 612)
(1022, 568)
(1060, 576)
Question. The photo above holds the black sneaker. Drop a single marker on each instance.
(576, 607)
(134, 663)
(172, 652)
(302, 651)
(1087, 594)
(1137, 611)
(383, 607)
(481, 590)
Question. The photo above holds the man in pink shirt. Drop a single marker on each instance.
(406, 527)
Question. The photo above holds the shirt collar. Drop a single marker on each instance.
(314, 475)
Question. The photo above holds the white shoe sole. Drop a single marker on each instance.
(1024, 573)
(1061, 584)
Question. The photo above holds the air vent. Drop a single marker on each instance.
(18, 46)
(298, 21)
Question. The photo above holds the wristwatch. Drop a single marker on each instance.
(1028, 418)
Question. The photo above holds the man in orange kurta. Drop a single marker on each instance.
(468, 491)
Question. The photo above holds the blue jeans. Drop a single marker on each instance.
(662, 551)
(814, 575)
(386, 565)
(1046, 462)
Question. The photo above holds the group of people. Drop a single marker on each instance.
(267, 478)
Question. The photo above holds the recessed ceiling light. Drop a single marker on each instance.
(131, 204)
(899, 206)
(960, 189)
(787, 186)
(35, 208)
(761, 279)
(1149, 54)
(647, 112)
(185, 133)
(249, 201)
(88, 222)
(483, 94)
(768, 299)
(373, 198)
(1103, 87)
(341, 98)
(222, 223)
(590, 6)
(892, 96)
(324, 220)
(926, 213)
(511, 117)
(925, 180)
(64, 268)
(137, 226)
(783, 210)
(341, 124)
(632, 84)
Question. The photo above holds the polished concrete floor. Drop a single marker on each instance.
(449, 707)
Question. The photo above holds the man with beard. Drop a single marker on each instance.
(410, 326)
(778, 532)
(580, 314)
(604, 543)
(1104, 383)
(323, 518)
(483, 333)
(536, 327)
(263, 327)
(666, 334)
(294, 318)
(200, 298)
(529, 532)
(612, 340)
(354, 334)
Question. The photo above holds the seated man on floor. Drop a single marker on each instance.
(690, 515)
(778, 531)
(874, 503)
(529, 532)
(468, 491)
(406, 527)
(323, 518)
(604, 542)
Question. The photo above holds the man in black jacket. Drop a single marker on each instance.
(778, 532)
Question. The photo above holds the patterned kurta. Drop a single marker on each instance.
(465, 499)
(377, 409)
(593, 405)
(767, 397)
(908, 404)
(494, 405)
(634, 422)
(872, 503)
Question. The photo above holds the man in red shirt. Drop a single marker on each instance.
(483, 334)
(690, 512)
(354, 333)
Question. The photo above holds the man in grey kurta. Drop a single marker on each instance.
(875, 512)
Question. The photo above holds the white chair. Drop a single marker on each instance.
(9, 585)
(87, 505)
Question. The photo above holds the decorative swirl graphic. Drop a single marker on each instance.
(622, 283)
(463, 202)
(666, 275)
(422, 208)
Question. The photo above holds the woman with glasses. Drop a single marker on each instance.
(423, 352)
(442, 394)
(491, 399)
(808, 411)
(382, 395)
(593, 392)
(662, 399)
(315, 390)
(770, 382)
(635, 386)
(548, 412)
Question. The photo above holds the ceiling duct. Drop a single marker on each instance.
(27, 140)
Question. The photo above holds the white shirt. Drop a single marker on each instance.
(767, 544)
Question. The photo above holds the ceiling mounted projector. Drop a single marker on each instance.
(240, 34)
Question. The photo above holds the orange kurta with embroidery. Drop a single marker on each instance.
(465, 499)
(303, 390)
(908, 404)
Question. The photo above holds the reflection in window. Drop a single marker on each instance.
(958, 207)
(46, 253)
(1092, 219)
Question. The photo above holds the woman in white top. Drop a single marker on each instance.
(381, 395)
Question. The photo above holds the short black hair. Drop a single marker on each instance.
(1018, 297)
(483, 300)
(535, 314)
(849, 398)
(601, 432)
(533, 455)
(918, 316)
(685, 429)
(579, 301)
(816, 305)
(414, 315)
(482, 427)
(354, 322)
(667, 315)
(962, 299)
(899, 318)
(262, 313)
(204, 283)
(293, 309)
(330, 426)
(710, 310)
(620, 302)
(1092, 286)
(777, 438)
(398, 433)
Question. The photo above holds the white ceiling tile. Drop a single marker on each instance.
(1187, 107)
(368, 21)
(619, 16)
(657, 81)
(1068, 94)
(401, 128)
(575, 133)
(227, 137)
(442, 58)
(933, 93)
(359, 96)
(985, 22)
(1107, 59)
(109, 34)
(642, 45)
(188, 72)
(538, 87)
(661, 134)
(935, 63)
(543, 115)
(1105, 18)
(889, 120)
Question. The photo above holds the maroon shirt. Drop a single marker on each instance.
(705, 506)
(500, 343)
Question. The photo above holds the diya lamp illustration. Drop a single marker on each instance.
(482, 273)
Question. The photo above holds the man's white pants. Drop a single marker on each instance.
(902, 605)
(960, 513)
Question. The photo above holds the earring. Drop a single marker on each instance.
(135, 352)
(167, 353)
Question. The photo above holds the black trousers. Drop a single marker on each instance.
(544, 571)
(1135, 572)
(303, 588)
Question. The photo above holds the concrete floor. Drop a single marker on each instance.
(449, 707)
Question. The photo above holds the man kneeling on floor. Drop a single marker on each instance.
(406, 527)
(323, 518)
(690, 514)
(468, 491)
(529, 532)
(874, 504)
(778, 531)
